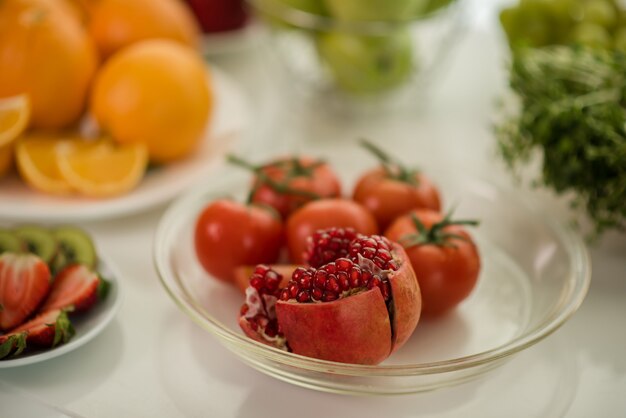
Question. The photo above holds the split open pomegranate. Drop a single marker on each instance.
(358, 307)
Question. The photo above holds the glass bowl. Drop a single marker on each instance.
(535, 275)
(353, 63)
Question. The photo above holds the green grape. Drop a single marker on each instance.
(600, 12)
(368, 64)
(591, 34)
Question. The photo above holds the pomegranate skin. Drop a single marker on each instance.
(355, 329)
(407, 299)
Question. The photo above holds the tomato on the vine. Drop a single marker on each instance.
(444, 256)
(288, 183)
(230, 234)
(322, 214)
(392, 189)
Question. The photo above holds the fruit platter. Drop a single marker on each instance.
(85, 144)
(56, 292)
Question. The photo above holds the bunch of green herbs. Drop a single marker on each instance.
(573, 114)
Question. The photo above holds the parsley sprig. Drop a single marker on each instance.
(573, 114)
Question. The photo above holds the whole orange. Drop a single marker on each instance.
(155, 92)
(46, 54)
(115, 24)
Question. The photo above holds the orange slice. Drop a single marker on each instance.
(14, 116)
(37, 163)
(105, 170)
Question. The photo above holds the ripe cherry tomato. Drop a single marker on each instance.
(445, 259)
(392, 190)
(322, 214)
(288, 183)
(229, 234)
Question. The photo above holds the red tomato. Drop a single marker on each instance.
(229, 234)
(291, 182)
(443, 255)
(323, 214)
(389, 196)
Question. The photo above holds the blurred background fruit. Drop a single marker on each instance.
(374, 10)
(157, 93)
(537, 23)
(355, 55)
(365, 64)
(14, 116)
(37, 163)
(115, 24)
(219, 15)
(46, 54)
(103, 169)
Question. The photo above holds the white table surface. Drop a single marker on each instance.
(152, 361)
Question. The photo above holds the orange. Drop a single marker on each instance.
(46, 54)
(37, 163)
(105, 170)
(14, 114)
(115, 24)
(156, 93)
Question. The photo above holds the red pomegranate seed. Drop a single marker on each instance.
(375, 248)
(332, 281)
(327, 245)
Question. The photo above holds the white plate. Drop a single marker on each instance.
(20, 203)
(87, 325)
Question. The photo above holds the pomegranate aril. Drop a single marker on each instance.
(272, 280)
(298, 272)
(384, 255)
(343, 264)
(332, 285)
(257, 281)
(261, 269)
(344, 282)
(355, 277)
(305, 282)
(329, 297)
(316, 294)
(327, 245)
(293, 289)
(374, 248)
(368, 252)
(303, 296)
(285, 295)
(320, 278)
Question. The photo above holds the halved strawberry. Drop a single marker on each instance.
(45, 330)
(24, 283)
(75, 288)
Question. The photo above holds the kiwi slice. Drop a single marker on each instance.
(9, 242)
(75, 246)
(38, 240)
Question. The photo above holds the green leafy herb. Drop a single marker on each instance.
(573, 113)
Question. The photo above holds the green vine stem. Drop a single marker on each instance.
(393, 168)
(295, 170)
(436, 234)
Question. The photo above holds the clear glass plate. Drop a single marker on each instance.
(535, 275)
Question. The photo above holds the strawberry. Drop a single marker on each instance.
(24, 284)
(75, 288)
(46, 330)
